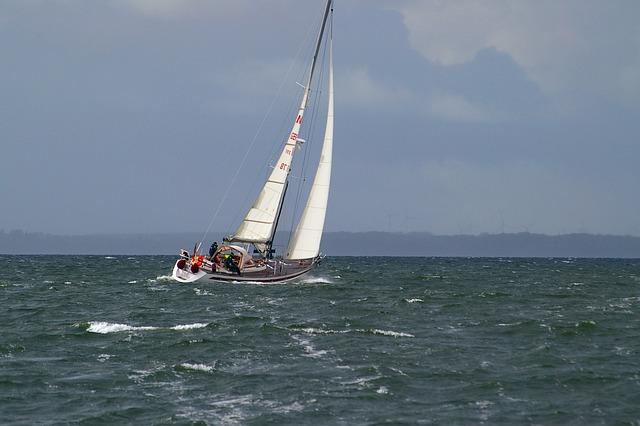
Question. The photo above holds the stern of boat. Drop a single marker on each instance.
(186, 272)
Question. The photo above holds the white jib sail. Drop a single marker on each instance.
(257, 226)
(307, 236)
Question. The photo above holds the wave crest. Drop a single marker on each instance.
(103, 327)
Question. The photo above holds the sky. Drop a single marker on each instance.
(452, 117)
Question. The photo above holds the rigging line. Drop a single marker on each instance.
(255, 137)
(235, 176)
(302, 72)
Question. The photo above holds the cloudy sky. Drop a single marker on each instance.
(457, 116)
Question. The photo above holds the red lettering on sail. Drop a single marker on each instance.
(299, 119)
(294, 136)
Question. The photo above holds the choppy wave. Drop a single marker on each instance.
(190, 326)
(196, 367)
(391, 333)
(108, 327)
(312, 330)
(309, 348)
(102, 327)
(517, 340)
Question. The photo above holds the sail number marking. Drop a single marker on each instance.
(284, 166)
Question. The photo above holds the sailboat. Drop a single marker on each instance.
(247, 255)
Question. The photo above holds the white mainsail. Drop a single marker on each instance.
(306, 239)
(258, 226)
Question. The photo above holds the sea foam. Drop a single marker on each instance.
(197, 367)
(189, 326)
(102, 327)
(107, 327)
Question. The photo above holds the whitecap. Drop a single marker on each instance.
(197, 367)
(104, 357)
(362, 382)
(108, 327)
(397, 370)
(392, 333)
(509, 324)
(312, 330)
(414, 300)
(189, 326)
(382, 390)
(585, 323)
(310, 350)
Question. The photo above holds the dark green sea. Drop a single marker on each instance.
(97, 340)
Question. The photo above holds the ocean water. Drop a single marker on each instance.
(363, 341)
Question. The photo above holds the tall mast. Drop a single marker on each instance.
(318, 43)
(259, 225)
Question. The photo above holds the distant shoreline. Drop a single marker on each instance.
(343, 244)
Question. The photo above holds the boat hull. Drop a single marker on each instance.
(277, 270)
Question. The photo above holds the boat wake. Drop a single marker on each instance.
(316, 280)
(165, 278)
